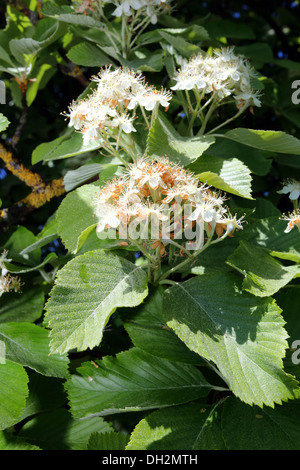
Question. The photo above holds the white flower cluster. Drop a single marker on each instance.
(113, 104)
(150, 8)
(160, 201)
(223, 72)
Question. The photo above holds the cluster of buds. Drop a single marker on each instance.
(8, 283)
(111, 108)
(156, 203)
(223, 73)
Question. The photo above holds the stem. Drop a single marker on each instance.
(208, 115)
(114, 152)
(143, 250)
(186, 261)
(145, 117)
(143, 27)
(240, 111)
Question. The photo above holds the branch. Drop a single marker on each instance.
(41, 192)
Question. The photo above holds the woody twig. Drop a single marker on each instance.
(41, 192)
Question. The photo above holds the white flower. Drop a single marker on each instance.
(90, 133)
(124, 122)
(293, 220)
(232, 223)
(153, 97)
(107, 217)
(291, 187)
(205, 211)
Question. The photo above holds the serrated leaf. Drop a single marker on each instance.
(185, 427)
(87, 291)
(148, 331)
(28, 345)
(242, 334)
(76, 216)
(272, 141)
(134, 380)
(163, 140)
(13, 392)
(228, 175)
(263, 274)
(12, 442)
(261, 429)
(108, 441)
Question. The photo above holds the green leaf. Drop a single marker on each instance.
(45, 72)
(28, 345)
(17, 243)
(24, 49)
(13, 393)
(12, 442)
(220, 27)
(24, 307)
(263, 274)
(45, 394)
(13, 268)
(269, 233)
(152, 62)
(87, 291)
(185, 48)
(68, 145)
(228, 175)
(148, 331)
(48, 31)
(88, 54)
(261, 429)
(260, 52)
(185, 427)
(76, 216)
(4, 122)
(163, 140)
(108, 441)
(272, 141)
(65, 14)
(74, 178)
(256, 160)
(134, 380)
(242, 334)
(47, 235)
(57, 430)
